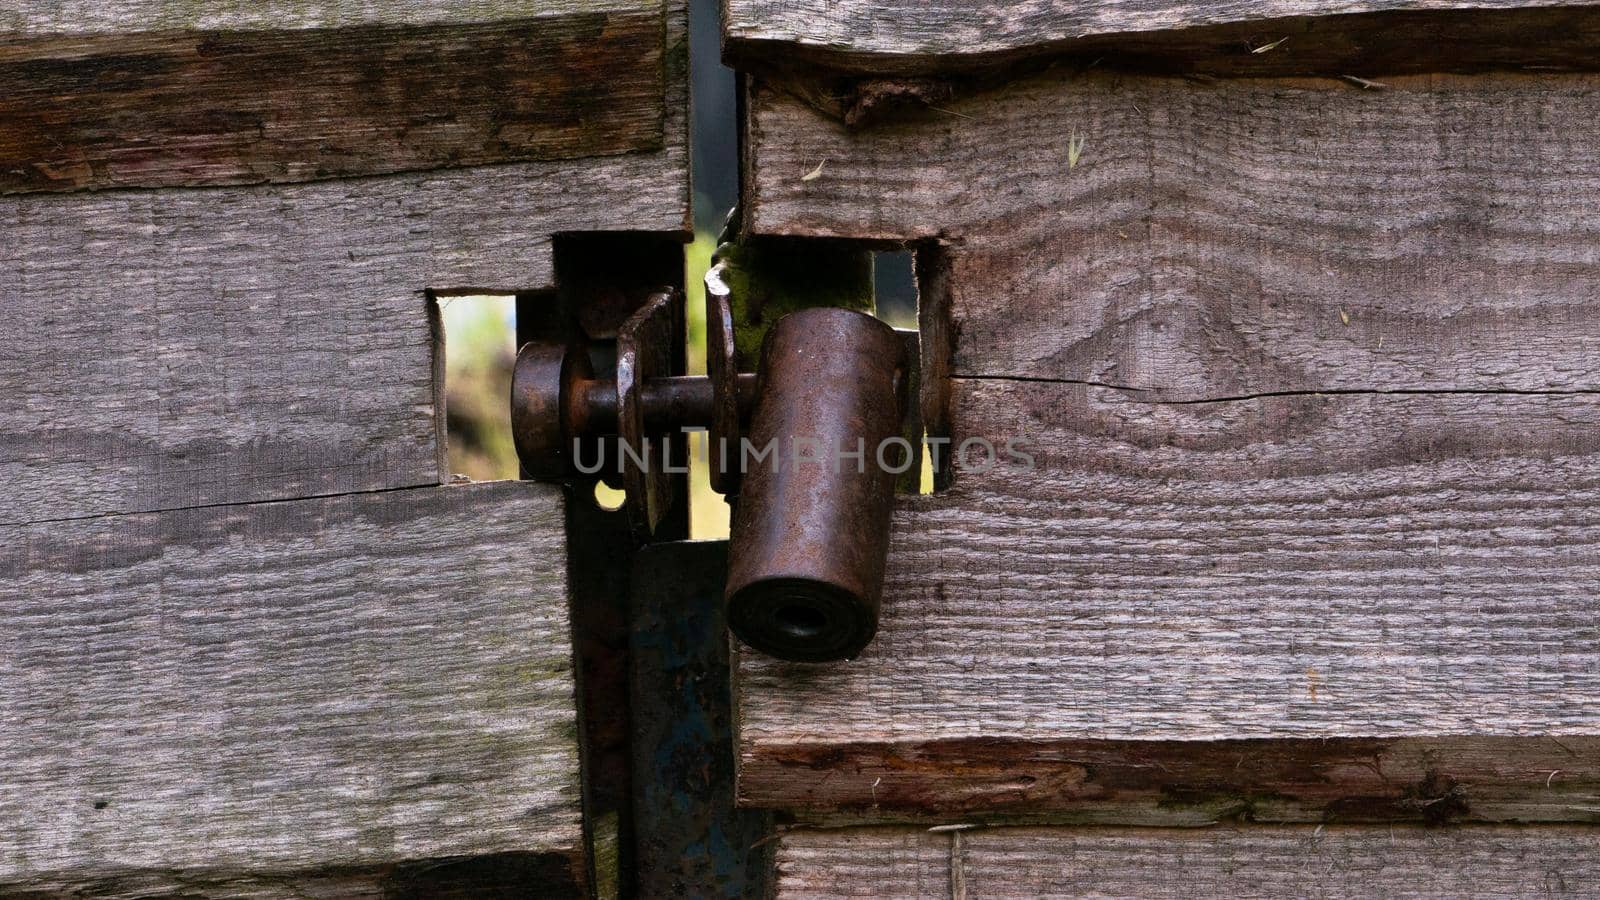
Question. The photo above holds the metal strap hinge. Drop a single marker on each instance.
(810, 531)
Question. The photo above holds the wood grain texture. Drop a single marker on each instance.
(912, 37)
(37, 18)
(1092, 781)
(1308, 379)
(1211, 862)
(179, 348)
(291, 691)
(141, 109)
(1352, 581)
(1240, 238)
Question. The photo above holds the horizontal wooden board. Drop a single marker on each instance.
(36, 18)
(88, 110)
(1211, 862)
(915, 37)
(180, 348)
(1240, 238)
(345, 694)
(1181, 783)
(1310, 529)
(1289, 608)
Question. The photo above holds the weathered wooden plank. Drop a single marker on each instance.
(178, 348)
(1240, 238)
(1092, 781)
(1301, 608)
(55, 17)
(1240, 37)
(1209, 862)
(351, 691)
(1310, 531)
(87, 109)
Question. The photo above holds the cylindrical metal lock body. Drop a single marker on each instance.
(810, 529)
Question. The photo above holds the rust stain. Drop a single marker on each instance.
(1428, 781)
(1000, 776)
(1436, 799)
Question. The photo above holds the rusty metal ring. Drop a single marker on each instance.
(543, 383)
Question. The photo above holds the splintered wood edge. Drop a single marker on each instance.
(908, 38)
(1184, 783)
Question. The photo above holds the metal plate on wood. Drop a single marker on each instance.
(644, 351)
(691, 840)
(723, 367)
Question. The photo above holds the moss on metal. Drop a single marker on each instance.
(772, 277)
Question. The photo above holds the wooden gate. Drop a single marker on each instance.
(1293, 303)
(1287, 306)
(253, 643)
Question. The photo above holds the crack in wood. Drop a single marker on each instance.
(1265, 395)
(117, 514)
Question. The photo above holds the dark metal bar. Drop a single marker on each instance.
(600, 544)
(670, 403)
(687, 401)
(693, 841)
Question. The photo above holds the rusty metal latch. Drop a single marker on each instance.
(796, 448)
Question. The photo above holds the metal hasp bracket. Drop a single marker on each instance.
(798, 449)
